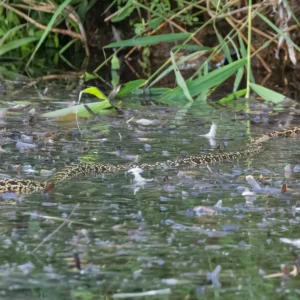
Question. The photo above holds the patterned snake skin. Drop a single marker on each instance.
(24, 186)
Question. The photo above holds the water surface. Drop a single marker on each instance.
(129, 236)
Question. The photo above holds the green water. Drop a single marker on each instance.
(134, 238)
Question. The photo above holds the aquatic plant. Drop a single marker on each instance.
(189, 31)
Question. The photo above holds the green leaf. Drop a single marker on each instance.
(233, 96)
(82, 9)
(69, 113)
(89, 76)
(115, 63)
(238, 79)
(180, 81)
(115, 67)
(150, 40)
(154, 23)
(203, 83)
(7, 74)
(124, 13)
(191, 47)
(267, 94)
(223, 44)
(131, 86)
(93, 91)
(83, 110)
(16, 44)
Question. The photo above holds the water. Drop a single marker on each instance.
(101, 236)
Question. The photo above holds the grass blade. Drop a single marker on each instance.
(150, 40)
(16, 44)
(280, 32)
(180, 81)
(6, 35)
(238, 79)
(191, 47)
(248, 80)
(204, 83)
(180, 62)
(48, 28)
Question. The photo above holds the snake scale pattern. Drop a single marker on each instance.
(27, 186)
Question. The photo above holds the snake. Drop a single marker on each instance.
(28, 186)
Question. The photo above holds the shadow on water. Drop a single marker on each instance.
(156, 233)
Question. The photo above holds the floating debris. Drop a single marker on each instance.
(214, 276)
(139, 181)
(212, 132)
(206, 210)
(46, 173)
(211, 135)
(146, 122)
(295, 242)
(22, 146)
(288, 171)
(26, 268)
(142, 294)
(6, 141)
(250, 197)
(253, 183)
(286, 272)
(26, 139)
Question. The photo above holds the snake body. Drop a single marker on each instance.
(27, 186)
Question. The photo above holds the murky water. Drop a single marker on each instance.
(102, 236)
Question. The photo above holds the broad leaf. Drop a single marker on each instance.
(93, 91)
(131, 86)
(69, 113)
(154, 23)
(267, 94)
(89, 76)
(83, 110)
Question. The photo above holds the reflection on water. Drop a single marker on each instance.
(137, 232)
